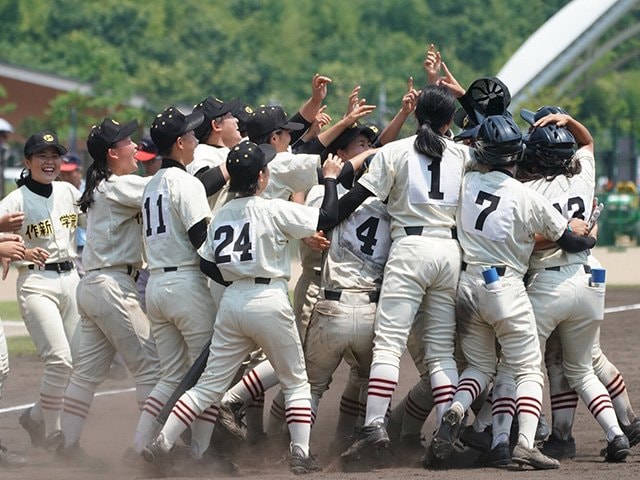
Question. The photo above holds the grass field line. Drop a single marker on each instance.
(117, 391)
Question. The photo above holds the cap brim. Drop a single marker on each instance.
(143, 156)
(458, 117)
(268, 151)
(231, 106)
(126, 130)
(293, 126)
(528, 116)
(69, 167)
(467, 133)
(193, 120)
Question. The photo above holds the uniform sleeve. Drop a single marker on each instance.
(206, 249)
(127, 190)
(544, 218)
(302, 172)
(380, 177)
(11, 203)
(192, 202)
(588, 164)
(294, 220)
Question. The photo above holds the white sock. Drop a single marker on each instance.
(77, 402)
(383, 380)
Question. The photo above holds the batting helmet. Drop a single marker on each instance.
(532, 117)
(499, 142)
(550, 146)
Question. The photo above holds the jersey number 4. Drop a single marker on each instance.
(242, 243)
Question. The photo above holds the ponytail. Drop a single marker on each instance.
(25, 175)
(435, 108)
(97, 171)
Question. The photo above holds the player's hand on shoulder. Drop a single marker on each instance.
(11, 222)
(332, 166)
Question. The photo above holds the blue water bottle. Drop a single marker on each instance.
(491, 278)
(598, 277)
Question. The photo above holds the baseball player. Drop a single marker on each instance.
(11, 249)
(247, 245)
(175, 216)
(420, 177)
(47, 278)
(497, 219)
(111, 317)
(558, 285)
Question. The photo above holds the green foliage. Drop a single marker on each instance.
(266, 51)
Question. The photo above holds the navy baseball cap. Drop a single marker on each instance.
(246, 159)
(103, 136)
(269, 119)
(171, 124)
(41, 140)
(213, 108)
(349, 134)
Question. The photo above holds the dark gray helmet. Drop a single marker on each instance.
(499, 142)
(532, 117)
(550, 146)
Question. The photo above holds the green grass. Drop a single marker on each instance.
(9, 310)
(20, 346)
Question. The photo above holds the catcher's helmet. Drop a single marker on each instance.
(550, 145)
(499, 142)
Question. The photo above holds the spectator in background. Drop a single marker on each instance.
(5, 151)
(148, 158)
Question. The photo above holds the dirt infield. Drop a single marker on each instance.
(110, 427)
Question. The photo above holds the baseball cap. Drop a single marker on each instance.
(269, 119)
(246, 159)
(242, 113)
(213, 108)
(532, 117)
(147, 150)
(5, 126)
(70, 162)
(41, 140)
(171, 124)
(103, 136)
(370, 131)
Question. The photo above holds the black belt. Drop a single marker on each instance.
(336, 294)
(418, 231)
(501, 269)
(262, 281)
(170, 269)
(587, 269)
(131, 270)
(54, 267)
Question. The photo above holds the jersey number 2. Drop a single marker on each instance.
(242, 243)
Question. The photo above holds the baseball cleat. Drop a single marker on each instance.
(231, 417)
(617, 449)
(477, 440)
(632, 431)
(558, 448)
(33, 428)
(299, 463)
(155, 455)
(533, 457)
(54, 441)
(498, 456)
(447, 433)
(8, 459)
(374, 435)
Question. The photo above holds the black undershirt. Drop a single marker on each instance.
(42, 189)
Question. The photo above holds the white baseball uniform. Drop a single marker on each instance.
(209, 156)
(248, 241)
(562, 297)
(111, 317)
(342, 321)
(497, 220)
(290, 173)
(179, 303)
(47, 296)
(423, 264)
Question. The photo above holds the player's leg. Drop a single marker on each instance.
(38, 301)
(7, 459)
